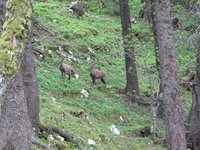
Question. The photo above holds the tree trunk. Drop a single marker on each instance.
(146, 13)
(193, 120)
(131, 71)
(2, 14)
(155, 34)
(30, 85)
(15, 125)
(169, 81)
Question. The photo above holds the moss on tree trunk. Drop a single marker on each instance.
(15, 125)
(15, 32)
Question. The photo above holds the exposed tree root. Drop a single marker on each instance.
(38, 53)
(41, 25)
(35, 142)
(67, 137)
(51, 129)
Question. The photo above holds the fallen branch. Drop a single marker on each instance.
(38, 53)
(41, 25)
(67, 137)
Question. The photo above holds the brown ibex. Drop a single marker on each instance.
(65, 69)
(96, 74)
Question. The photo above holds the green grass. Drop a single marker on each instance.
(61, 99)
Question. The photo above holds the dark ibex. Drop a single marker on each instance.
(96, 74)
(65, 69)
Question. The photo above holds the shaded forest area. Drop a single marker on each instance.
(99, 74)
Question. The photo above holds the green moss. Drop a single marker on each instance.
(14, 35)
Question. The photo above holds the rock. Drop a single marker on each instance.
(76, 112)
(88, 58)
(85, 93)
(76, 76)
(53, 99)
(50, 138)
(146, 131)
(91, 142)
(61, 139)
(114, 130)
(121, 118)
(78, 8)
(50, 52)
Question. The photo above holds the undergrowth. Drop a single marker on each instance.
(93, 37)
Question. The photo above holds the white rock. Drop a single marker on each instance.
(71, 52)
(109, 86)
(49, 51)
(50, 138)
(88, 59)
(90, 50)
(61, 139)
(71, 11)
(91, 142)
(114, 130)
(59, 48)
(85, 93)
(121, 118)
(55, 20)
(53, 99)
(76, 75)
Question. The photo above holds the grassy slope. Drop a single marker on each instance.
(61, 98)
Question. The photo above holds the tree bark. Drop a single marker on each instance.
(146, 13)
(169, 81)
(132, 86)
(31, 85)
(15, 125)
(193, 120)
(155, 34)
(2, 14)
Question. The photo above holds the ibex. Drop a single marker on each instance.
(96, 74)
(65, 69)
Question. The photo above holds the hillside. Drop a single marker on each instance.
(93, 37)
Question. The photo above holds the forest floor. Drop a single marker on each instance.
(83, 40)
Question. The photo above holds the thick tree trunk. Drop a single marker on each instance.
(30, 85)
(15, 126)
(131, 71)
(169, 82)
(2, 14)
